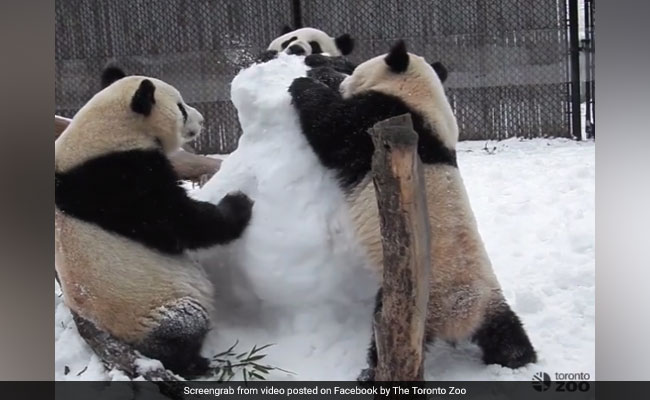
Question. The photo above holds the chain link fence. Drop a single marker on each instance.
(196, 45)
(507, 58)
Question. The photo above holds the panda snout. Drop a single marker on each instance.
(194, 127)
(296, 50)
(193, 131)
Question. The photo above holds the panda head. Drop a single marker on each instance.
(410, 78)
(151, 108)
(306, 41)
(128, 113)
(155, 108)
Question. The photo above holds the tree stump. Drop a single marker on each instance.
(404, 223)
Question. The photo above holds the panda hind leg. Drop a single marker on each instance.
(177, 338)
(367, 375)
(503, 339)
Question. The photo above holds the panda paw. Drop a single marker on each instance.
(267, 55)
(305, 90)
(237, 208)
(327, 76)
(317, 60)
(338, 64)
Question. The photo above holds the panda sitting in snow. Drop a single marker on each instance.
(123, 224)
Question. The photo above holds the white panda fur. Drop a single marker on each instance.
(465, 297)
(131, 277)
(306, 41)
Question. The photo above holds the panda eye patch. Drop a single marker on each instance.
(286, 42)
(183, 111)
(315, 47)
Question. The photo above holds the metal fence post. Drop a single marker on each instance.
(589, 50)
(574, 43)
(297, 14)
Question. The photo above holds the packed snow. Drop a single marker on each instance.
(296, 278)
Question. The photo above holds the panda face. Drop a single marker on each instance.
(413, 80)
(192, 122)
(298, 47)
(306, 41)
(156, 108)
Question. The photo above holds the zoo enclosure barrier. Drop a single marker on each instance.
(509, 60)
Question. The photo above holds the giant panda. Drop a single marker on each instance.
(123, 224)
(306, 41)
(466, 301)
(324, 49)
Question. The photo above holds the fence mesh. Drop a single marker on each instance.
(507, 58)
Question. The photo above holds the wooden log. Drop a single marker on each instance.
(404, 223)
(115, 353)
(60, 123)
(194, 167)
(188, 166)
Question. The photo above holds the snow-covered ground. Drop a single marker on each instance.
(534, 201)
(295, 278)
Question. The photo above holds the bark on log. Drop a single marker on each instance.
(399, 184)
(117, 354)
(60, 123)
(188, 166)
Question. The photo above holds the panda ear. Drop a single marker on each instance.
(398, 59)
(143, 99)
(286, 29)
(111, 74)
(345, 43)
(441, 71)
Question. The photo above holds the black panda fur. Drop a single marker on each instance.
(336, 128)
(136, 194)
(123, 223)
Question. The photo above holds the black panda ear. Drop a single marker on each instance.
(345, 43)
(286, 29)
(398, 59)
(143, 99)
(111, 74)
(441, 71)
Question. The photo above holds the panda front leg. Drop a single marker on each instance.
(265, 56)
(202, 224)
(333, 128)
(503, 339)
(179, 329)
